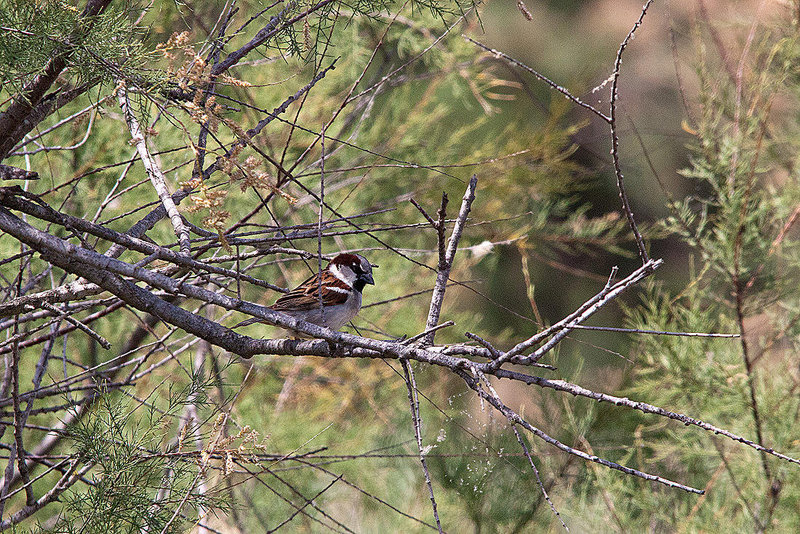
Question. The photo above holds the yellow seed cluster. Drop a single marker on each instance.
(192, 71)
(255, 177)
(223, 445)
(176, 41)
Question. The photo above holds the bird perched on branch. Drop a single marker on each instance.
(340, 284)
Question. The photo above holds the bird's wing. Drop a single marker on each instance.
(306, 295)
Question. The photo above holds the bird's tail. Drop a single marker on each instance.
(246, 322)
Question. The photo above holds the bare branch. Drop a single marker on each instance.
(423, 212)
(586, 310)
(416, 420)
(623, 195)
(69, 478)
(153, 170)
(64, 315)
(538, 479)
(15, 173)
(426, 332)
(513, 417)
(446, 261)
(8, 198)
(264, 34)
(655, 332)
(573, 389)
(545, 79)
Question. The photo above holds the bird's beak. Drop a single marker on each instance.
(368, 278)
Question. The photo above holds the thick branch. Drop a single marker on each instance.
(8, 172)
(106, 272)
(46, 213)
(16, 120)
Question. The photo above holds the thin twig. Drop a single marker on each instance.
(48, 148)
(263, 35)
(416, 419)
(488, 346)
(545, 79)
(308, 501)
(426, 332)
(64, 315)
(423, 212)
(320, 218)
(536, 473)
(655, 332)
(71, 476)
(574, 389)
(623, 195)
(513, 417)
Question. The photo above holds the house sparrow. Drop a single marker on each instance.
(342, 282)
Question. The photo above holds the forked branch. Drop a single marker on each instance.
(446, 260)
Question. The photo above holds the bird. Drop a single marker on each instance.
(340, 283)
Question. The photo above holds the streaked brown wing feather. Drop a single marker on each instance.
(305, 296)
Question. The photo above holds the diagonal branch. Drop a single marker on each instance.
(71, 476)
(499, 55)
(79, 325)
(46, 213)
(515, 418)
(263, 35)
(566, 325)
(538, 478)
(576, 390)
(16, 121)
(153, 170)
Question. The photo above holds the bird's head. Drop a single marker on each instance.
(352, 269)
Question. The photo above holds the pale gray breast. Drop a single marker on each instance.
(334, 317)
(342, 315)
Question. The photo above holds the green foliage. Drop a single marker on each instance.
(743, 279)
(100, 49)
(134, 485)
